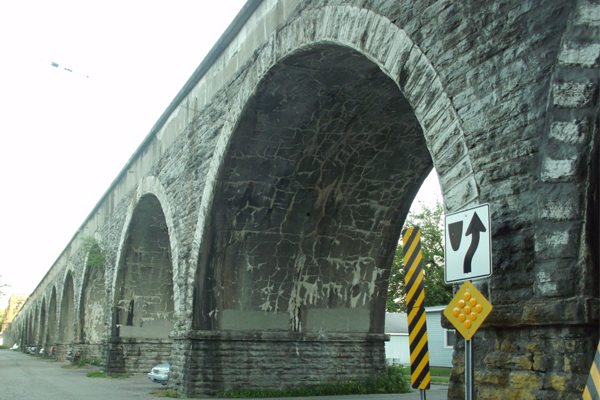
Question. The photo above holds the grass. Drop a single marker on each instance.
(4, 347)
(83, 361)
(166, 393)
(440, 371)
(438, 375)
(96, 375)
(392, 382)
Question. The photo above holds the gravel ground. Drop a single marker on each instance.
(24, 377)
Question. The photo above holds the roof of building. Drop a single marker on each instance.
(397, 323)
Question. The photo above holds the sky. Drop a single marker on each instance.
(81, 85)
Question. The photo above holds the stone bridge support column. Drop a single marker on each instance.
(210, 362)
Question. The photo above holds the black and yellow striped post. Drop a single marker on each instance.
(415, 296)
(592, 389)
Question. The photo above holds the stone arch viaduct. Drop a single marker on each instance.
(249, 239)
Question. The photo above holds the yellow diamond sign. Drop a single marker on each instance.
(467, 310)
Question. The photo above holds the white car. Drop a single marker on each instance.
(160, 374)
(15, 347)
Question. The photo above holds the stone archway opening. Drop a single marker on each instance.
(42, 328)
(143, 315)
(93, 306)
(51, 338)
(30, 341)
(315, 186)
(67, 318)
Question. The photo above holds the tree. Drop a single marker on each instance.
(437, 292)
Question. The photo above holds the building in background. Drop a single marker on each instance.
(440, 340)
(15, 302)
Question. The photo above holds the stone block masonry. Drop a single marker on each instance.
(218, 361)
(251, 235)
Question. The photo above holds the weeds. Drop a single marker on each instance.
(392, 382)
(83, 361)
(96, 375)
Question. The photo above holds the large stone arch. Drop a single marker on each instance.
(30, 340)
(42, 327)
(150, 185)
(143, 305)
(255, 176)
(505, 94)
(317, 181)
(52, 322)
(66, 324)
(387, 46)
(93, 302)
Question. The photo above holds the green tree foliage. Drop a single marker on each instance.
(431, 222)
(96, 257)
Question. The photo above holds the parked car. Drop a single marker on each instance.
(42, 351)
(160, 374)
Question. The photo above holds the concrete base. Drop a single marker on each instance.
(209, 362)
(134, 355)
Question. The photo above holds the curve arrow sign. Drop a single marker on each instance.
(475, 228)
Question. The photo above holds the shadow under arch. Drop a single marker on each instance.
(143, 312)
(144, 290)
(42, 331)
(92, 302)
(67, 313)
(263, 273)
(308, 204)
(315, 186)
(52, 319)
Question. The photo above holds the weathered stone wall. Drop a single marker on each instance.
(211, 362)
(542, 363)
(135, 355)
(274, 139)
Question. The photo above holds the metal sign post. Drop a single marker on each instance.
(467, 311)
(469, 378)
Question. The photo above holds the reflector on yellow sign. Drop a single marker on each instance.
(467, 310)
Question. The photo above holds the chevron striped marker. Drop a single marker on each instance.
(592, 389)
(415, 295)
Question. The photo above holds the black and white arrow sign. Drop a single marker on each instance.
(468, 253)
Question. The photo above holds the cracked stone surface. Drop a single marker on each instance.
(144, 306)
(317, 182)
(273, 192)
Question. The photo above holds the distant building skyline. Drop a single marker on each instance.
(15, 302)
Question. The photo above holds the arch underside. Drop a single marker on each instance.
(51, 338)
(319, 176)
(93, 305)
(144, 289)
(67, 310)
(42, 332)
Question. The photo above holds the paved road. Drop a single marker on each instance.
(24, 377)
